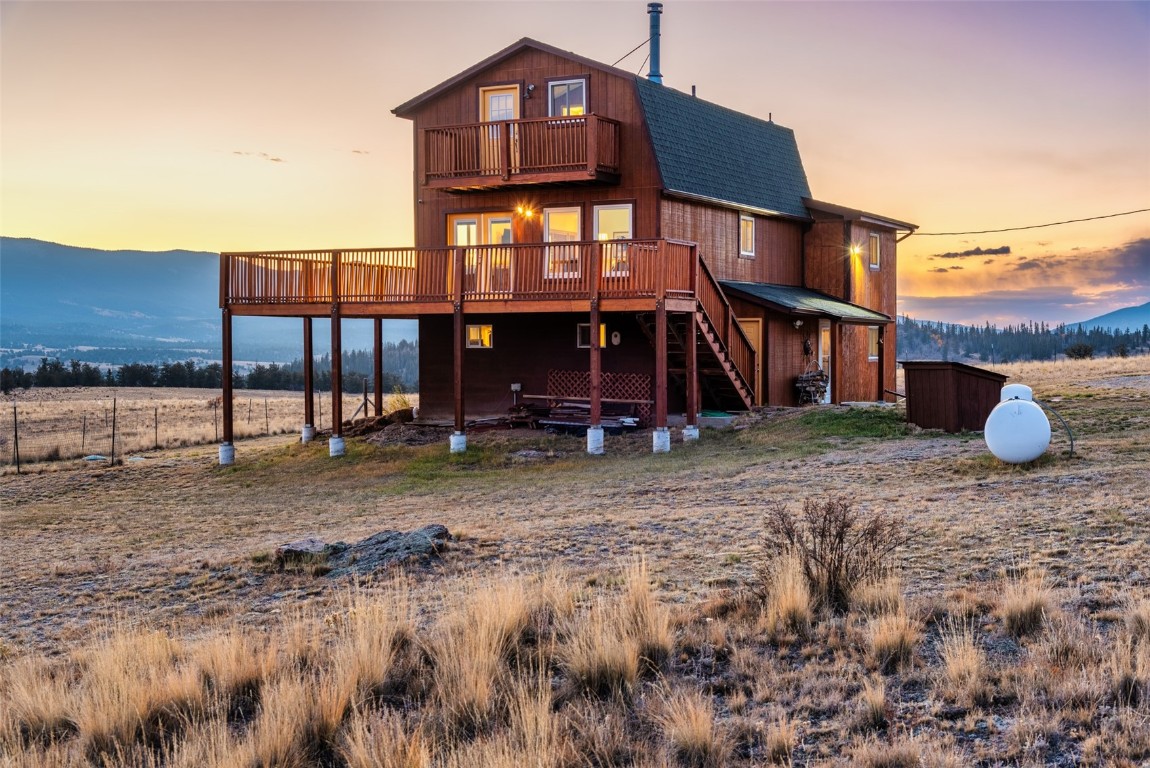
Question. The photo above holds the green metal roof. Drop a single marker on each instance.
(802, 301)
(715, 153)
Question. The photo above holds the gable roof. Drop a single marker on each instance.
(519, 45)
(802, 301)
(713, 153)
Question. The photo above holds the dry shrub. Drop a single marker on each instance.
(687, 720)
(892, 640)
(789, 605)
(380, 740)
(963, 675)
(1026, 602)
(839, 547)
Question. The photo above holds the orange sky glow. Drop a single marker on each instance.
(267, 125)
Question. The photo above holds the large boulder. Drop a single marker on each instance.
(377, 552)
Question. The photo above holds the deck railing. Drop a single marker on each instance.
(516, 150)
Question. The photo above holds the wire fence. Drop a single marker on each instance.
(108, 430)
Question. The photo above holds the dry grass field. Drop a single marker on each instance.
(630, 609)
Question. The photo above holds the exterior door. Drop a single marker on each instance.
(487, 268)
(497, 105)
(825, 354)
(753, 327)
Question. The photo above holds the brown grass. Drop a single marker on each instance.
(576, 648)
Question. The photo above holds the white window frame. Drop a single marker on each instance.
(744, 252)
(874, 256)
(583, 335)
(550, 271)
(873, 343)
(620, 265)
(550, 98)
(478, 344)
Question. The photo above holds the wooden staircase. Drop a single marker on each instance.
(719, 342)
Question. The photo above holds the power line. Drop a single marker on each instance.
(628, 53)
(1033, 226)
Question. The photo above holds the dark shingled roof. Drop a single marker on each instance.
(802, 301)
(712, 152)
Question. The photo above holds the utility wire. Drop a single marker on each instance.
(1033, 226)
(645, 58)
(628, 53)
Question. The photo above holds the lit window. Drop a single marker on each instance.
(875, 251)
(613, 222)
(872, 342)
(583, 335)
(562, 225)
(746, 235)
(479, 337)
(567, 98)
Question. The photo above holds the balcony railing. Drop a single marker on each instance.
(535, 151)
(627, 269)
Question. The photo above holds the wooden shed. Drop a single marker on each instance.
(950, 396)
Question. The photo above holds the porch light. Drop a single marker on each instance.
(525, 211)
(856, 249)
(798, 324)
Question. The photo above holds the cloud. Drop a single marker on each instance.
(939, 270)
(988, 261)
(262, 155)
(360, 152)
(1000, 251)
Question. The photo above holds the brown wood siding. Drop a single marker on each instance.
(784, 359)
(825, 251)
(778, 242)
(950, 396)
(609, 96)
(858, 377)
(524, 348)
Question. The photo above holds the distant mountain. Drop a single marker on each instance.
(116, 307)
(1128, 317)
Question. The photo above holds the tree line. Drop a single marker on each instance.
(928, 340)
(400, 360)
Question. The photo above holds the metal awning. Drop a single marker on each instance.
(802, 302)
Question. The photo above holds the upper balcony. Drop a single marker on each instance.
(511, 153)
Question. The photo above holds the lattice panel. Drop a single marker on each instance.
(615, 386)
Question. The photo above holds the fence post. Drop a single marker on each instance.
(216, 418)
(112, 458)
(156, 427)
(267, 420)
(84, 435)
(16, 437)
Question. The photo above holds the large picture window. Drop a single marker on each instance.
(562, 225)
(567, 98)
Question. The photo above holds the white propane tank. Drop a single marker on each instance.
(1017, 431)
(1016, 392)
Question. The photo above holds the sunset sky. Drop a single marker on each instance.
(251, 125)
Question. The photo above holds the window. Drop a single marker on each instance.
(567, 98)
(872, 342)
(583, 335)
(746, 235)
(479, 337)
(562, 225)
(875, 251)
(613, 222)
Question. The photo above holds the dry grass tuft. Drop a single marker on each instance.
(963, 678)
(873, 708)
(380, 740)
(687, 721)
(879, 595)
(899, 754)
(649, 621)
(789, 603)
(1138, 621)
(893, 638)
(601, 657)
(782, 736)
(1026, 602)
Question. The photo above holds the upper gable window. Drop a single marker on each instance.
(567, 98)
(746, 235)
(875, 252)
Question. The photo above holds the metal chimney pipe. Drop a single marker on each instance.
(655, 10)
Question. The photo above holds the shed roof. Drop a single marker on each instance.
(803, 301)
(713, 153)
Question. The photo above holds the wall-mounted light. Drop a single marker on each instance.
(530, 88)
(797, 324)
(525, 211)
(856, 250)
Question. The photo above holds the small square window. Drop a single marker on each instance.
(746, 235)
(583, 335)
(875, 251)
(872, 342)
(479, 337)
(567, 98)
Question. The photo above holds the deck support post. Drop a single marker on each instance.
(459, 438)
(595, 430)
(691, 430)
(308, 432)
(227, 446)
(378, 371)
(661, 439)
(336, 445)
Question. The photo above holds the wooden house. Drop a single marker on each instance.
(589, 238)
